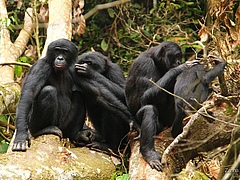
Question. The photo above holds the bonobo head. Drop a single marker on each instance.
(97, 61)
(61, 54)
(167, 55)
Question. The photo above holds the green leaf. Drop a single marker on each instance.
(146, 33)
(3, 118)
(111, 12)
(7, 22)
(123, 177)
(3, 147)
(136, 6)
(190, 3)
(24, 59)
(134, 35)
(104, 45)
(18, 70)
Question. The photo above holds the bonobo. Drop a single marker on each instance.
(152, 107)
(102, 83)
(49, 101)
(193, 85)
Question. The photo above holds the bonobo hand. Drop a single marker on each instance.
(185, 65)
(214, 59)
(135, 126)
(192, 63)
(83, 69)
(19, 143)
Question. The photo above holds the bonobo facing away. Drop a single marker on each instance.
(49, 102)
(102, 83)
(152, 107)
(193, 85)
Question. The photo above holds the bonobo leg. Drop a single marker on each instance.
(150, 126)
(177, 126)
(44, 113)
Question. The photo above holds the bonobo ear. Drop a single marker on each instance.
(107, 63)
(160, 52)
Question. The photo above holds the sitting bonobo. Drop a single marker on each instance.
(193, 86)
(50, 102)
(102, 83)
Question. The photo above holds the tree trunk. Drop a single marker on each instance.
(60, 21)
(9, 53)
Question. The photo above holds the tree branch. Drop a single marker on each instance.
(185, 130)
(101, 7)
(16, 63)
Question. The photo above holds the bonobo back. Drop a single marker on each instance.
(193, 85)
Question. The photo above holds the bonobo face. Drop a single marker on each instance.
(167, 55)
(173, 55)
(94, 60)
(61, 56)
(174, 58)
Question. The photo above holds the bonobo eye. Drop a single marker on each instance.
(59, 50)
(89, 62)
(179, 55)
(85, 62)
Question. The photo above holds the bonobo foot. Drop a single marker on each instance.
(153, 158)
(87, 136)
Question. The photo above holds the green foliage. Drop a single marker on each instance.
(19, 69)
(3, 118)
(118, 175)
(3, 144)
(125, 31)
(123, 177)
(3, 147)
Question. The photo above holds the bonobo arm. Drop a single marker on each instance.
(107, 94)
(154, 92)
(75, 118)
(216, 71)
(32, 85)
(85, 71)
(112, 103)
